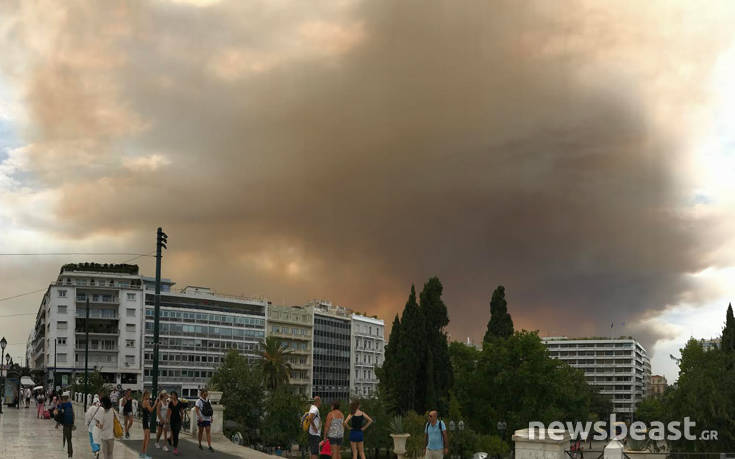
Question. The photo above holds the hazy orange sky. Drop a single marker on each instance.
(580, 153)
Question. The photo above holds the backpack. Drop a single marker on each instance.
(207, 408)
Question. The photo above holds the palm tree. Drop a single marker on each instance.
(274, 362)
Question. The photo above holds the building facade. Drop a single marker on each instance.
(57, 342)
(332, 348)
(657, 387)
(710, 344)
(294, 326)
(197, 329)
(619, 367)
(368, 351)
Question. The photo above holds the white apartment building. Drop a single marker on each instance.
(57, 343)
(294, 326)
(368, 351)
(618, 366)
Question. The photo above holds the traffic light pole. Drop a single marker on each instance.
(160, 243)
(86, 356)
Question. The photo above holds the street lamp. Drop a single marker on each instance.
(3, 343)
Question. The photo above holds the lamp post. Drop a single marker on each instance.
(3, 343)
(501, 428)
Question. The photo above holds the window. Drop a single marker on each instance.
(61, 325)
(61, 358)
(62, 293)
(130, 327)
(61, 341)
(130, 359)
(129, 343)
(131, 296)
(131, 312)
(62, 309)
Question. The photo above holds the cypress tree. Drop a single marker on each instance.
(437, 368)
(500, 324)
(411, 353)
(389, 372)
(727, 342)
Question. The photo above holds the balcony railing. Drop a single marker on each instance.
(104, 299)
(98, 331)
(107, 314)
(96, 349)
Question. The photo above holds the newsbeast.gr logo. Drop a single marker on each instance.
(602, 430)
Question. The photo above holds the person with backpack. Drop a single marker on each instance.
(204, 414)
(437, 444)
(313, 422)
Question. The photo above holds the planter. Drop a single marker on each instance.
(399, 444)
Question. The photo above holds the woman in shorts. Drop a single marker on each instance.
(334, 430)
(162, 411)
(146, 416)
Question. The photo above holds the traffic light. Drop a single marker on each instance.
(162, 238)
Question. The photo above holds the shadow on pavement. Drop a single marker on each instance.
(186, 449)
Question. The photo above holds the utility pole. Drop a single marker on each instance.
(86, 356)
(161, 240)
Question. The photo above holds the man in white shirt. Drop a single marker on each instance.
(315, 427)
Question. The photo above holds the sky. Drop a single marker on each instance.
(581, 154)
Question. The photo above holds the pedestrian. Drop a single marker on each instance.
(334, 429)
(105, 420)
(175, 409)
(356, 422)
(67, 421)
(54, 412)
(40, 404)
(115, 398)
(128, 412)
(436, 442)
(94, 440)
(147, 409)
(162, 415)
(28, 397)
(315, 427)
(204, 414)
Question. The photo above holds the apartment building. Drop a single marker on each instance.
(56, 345)
(332, 349)
(294, 326)
(198, 327)
(657, 387)
(618, 366)
(367, 352)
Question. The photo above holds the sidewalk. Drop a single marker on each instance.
(23, 436)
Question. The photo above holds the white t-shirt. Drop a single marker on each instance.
(200, 405)
(316, 423)
(106, 419)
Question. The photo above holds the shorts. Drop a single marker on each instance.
(314, 444)
(434, 454)
(127, 413)
(146, 424)
(356, 436)
(204, 423)
(335, 441)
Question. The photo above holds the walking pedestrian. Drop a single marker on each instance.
(147, 409)
(175, 409)
(67, 421)
(128, 412)
(356, 422)
(315, 427)
(334, 430)
(89, 416)
(28, 397)
(162, 416)
(204, 414)
(105, 420)
(40, 405)
(436, 441)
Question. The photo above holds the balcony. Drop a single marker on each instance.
(98, 299)
(98, 331)
(97, 349)
(105, 314)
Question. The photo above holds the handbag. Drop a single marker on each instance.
(117, 429)
(326, 449)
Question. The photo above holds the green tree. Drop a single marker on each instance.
(388, 373)
(436, 369)
(727, 343)
(705, 393)
(96, 383)
(283, 409)
(651, 409)
(500, 324)
(411, 355)
(242, 392)
(274, 363)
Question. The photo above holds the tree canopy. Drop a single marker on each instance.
(500, 324)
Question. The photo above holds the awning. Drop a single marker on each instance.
(26, 381)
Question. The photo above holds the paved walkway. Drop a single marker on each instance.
(23, 436)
